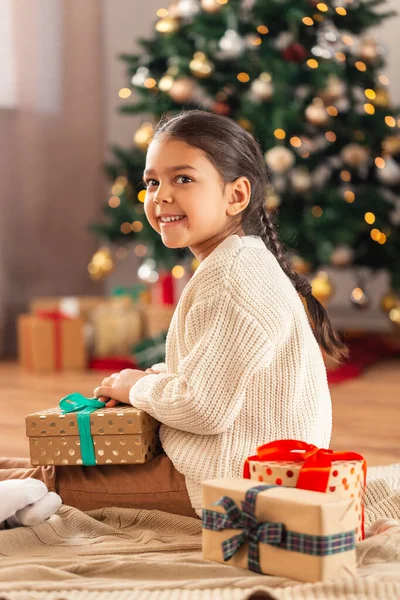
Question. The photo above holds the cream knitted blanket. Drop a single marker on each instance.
(121, 554)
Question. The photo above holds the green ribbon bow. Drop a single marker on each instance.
(76, 402)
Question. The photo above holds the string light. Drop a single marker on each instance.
(124, 93)
(317, 211)
(369, 108)
(312, 63)
(361, 66)
(380, 163)
(150, 83)
(384, 80)
(256, 42)
(262, 29)
(349, 196)
(330, 136)
(295, 141)
(243, 77)
(178, 272)
(341, 11)
(125, 228)
(222, 1)
(162, 12)
(141, 195)
(280, 134)
(382, 239)
(348, 40)
(345, 176)
(114, 202)
(332, 111)
(390, 121)
(308, 21)
(322, 7)
(137, 226)
(369, 218)
(370, 94)
(357, 294)
(140, 250)
(340, 56)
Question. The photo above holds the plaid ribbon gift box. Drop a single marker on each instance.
(293, 463)
(287, 532)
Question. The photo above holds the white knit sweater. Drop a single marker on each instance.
(243, 367)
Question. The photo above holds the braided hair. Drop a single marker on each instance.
(235, 153)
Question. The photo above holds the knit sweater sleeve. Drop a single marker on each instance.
(225, 346)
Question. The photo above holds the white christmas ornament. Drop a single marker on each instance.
(188, 8)
(342, 256)
(140, 76)
(321, 175)
(211, 6)
(284, 40)
(390, 174)
(316, 114)
(335, 88)
(231, 44)
(261, 89)
(300, 180)
(355, 155)
(279, 159)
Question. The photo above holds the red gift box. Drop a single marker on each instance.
(293, 463)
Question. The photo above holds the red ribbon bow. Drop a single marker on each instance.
(317, 463)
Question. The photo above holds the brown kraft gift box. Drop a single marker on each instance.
(121, 435)
(51, 343)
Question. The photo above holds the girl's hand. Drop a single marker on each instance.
(116, 387)
(157, 368)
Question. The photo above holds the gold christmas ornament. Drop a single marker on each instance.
(322, 287)
(300, 265)
(316, 114)
(182, 90)
(144, 135)
(394, 315)
(279, 159)
(211, 6)
(382, 97)
(200, 66)
(389, 301)
(355, 155)
(342, 256)
(167, 25)
(272, 201)
(335, 88)
(392, 144)
(101, 265)
(368, 50)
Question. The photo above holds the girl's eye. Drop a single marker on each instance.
(184, 177)
(150, 182)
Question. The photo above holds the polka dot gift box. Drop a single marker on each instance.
(293, 463)
(81, 431)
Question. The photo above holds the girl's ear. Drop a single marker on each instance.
(239, 196)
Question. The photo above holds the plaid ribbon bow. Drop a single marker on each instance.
(268, 532)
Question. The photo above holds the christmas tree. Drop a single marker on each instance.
(308, 81)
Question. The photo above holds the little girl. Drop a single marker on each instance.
(243, 363)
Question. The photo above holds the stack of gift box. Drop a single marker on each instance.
(297, 512)
(78, 332)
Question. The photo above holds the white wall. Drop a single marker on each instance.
(126, 20)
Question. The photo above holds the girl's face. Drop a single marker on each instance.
(181, 180)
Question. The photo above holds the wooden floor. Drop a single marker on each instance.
(366, 411)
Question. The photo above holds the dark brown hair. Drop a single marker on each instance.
(235, 153)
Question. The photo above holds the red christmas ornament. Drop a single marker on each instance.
(295, 53)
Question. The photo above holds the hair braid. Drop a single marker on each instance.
(325, 334)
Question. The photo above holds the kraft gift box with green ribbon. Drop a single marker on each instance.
(281, 531)
(81, 431)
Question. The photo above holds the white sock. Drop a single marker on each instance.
(37, 512)
(18, 493)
